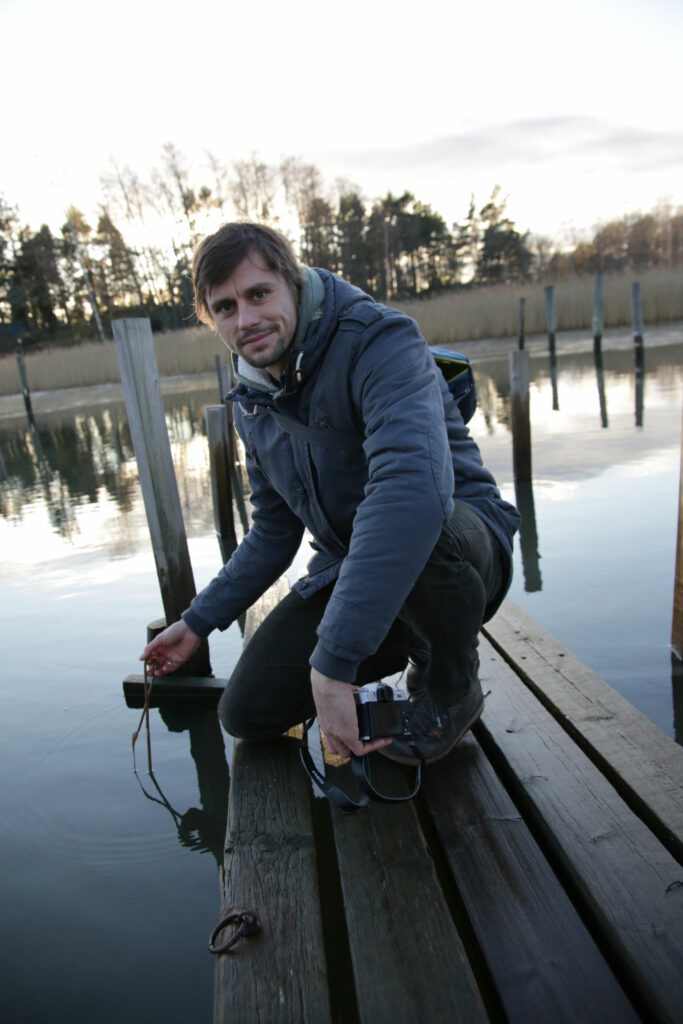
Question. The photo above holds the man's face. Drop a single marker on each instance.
(255, 313)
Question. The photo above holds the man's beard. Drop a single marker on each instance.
(269, 358)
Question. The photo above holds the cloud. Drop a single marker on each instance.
(529, 141)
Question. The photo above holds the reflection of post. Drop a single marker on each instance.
(217, 431)
(677, 625)
(203, 829)
(142, 393)
(528, 536)
(550, 321)
(677, 688)
(520, 375)
(600, 373)
(521, 322)
(637, 315)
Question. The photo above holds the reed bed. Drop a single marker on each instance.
(494, 312)
(451, 318)
(179, 353)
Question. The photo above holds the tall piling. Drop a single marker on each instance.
(520, 376)
(677, 623)
(145, 408)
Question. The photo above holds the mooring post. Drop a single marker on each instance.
(550, 322)
(145, 408)
(218, 434)
(597, 313)
(677, 624)
(639, 349)
(23, 379)
(522, 303)
(520, 376)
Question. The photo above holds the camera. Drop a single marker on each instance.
(381, 711)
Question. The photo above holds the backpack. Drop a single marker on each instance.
(457, 370)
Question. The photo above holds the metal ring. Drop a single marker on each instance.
(248, 925)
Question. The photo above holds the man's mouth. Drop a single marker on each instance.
(255, 336)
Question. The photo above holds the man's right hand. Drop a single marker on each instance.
(170, 649)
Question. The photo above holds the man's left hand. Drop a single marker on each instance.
(337, 717)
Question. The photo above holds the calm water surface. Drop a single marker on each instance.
(110, 879)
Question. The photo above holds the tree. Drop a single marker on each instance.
(253, 189)
(503, 255)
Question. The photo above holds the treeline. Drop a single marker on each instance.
(134, 257)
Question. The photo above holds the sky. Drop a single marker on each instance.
(573, 110)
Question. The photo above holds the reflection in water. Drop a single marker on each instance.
(528, 536)
(201, 829)
(640, 382)
(553, 380)
(677, 688)
(75, 458)
(600, 374)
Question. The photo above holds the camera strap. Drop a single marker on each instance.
(360, 770)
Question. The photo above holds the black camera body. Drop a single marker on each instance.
(381, 711)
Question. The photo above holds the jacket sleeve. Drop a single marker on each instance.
(265, 553)
(407, 499)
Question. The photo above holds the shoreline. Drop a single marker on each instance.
(479, 351)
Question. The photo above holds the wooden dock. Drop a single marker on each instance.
(536, 877)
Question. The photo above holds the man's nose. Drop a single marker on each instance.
(247, 316)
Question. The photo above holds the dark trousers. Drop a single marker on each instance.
(270, 689)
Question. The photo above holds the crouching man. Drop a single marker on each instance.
(351, 433)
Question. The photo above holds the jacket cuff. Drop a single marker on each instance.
(332, 666)
(197, 625)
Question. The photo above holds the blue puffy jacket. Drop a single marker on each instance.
(375, 508)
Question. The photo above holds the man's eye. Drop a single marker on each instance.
(260, 294)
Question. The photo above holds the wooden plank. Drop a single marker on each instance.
(279, 974)
(627, 885)
(409, 962)
(644, 764)
(542, 959)
(172, 687)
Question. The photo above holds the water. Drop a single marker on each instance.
(110, 879)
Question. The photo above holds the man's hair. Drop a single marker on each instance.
(218, 256)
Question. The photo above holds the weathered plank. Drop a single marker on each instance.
(541, 958)
(409, 962)
(270, 867)
(644, 764)
(626, 883)
(279, 974)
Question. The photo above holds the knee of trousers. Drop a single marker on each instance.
(235, 717)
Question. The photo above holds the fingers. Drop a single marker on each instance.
(357, 747)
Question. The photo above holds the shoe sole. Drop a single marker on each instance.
(413, 762)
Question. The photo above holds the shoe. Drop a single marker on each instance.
(434, 731)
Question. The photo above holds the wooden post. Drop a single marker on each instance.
(639, 349)
(521, 322)
(550, 321)
(23, 379)
(520, 375)
(144, 405)
(637, 314)
(218, 434)
(677, 625)
(550, 316)
(597, 313)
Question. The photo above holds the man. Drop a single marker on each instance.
(350, 432)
